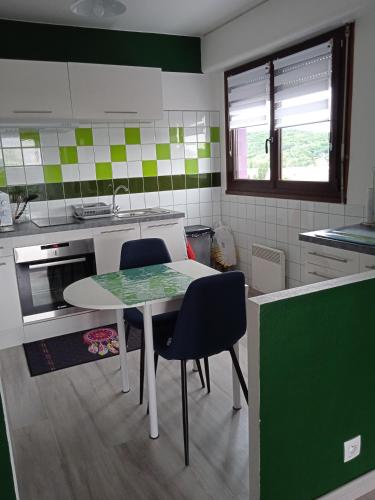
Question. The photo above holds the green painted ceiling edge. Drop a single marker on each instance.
(46, 42)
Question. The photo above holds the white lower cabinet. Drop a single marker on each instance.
(323, 263)
(171, 231)
(10, 309)
(366, 262)
(108, 243)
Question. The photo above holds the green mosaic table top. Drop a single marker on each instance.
(144, 284)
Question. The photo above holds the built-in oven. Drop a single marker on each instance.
(44, 271)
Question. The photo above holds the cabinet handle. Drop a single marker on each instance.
(370, 267)
(118, 230)
(3, 263)
(32, 111)
(163, 225)
(57, 263)
(121, 112)
(338, 259)
(1, 248)
(314, 273)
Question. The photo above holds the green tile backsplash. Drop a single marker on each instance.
(181, 151)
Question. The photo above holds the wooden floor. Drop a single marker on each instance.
(76, 436)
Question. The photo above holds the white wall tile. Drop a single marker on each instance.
(102, 154)
(70, 173)
(148, 136)
(192, 195)
(162, 135)
(133, 152)
(66, 137)
(166, 198)
(48, 137)
(135, 169)
(85, 154)
(175, 119)
(116, 135)
(148, 151)
(137, 201)
(87, 171)
(152, 200)
(15, 175)
(164, 167)
(119, 170)
(179, 197)
(100, 136)
(177, 151)
(178, 167)
(34, 174)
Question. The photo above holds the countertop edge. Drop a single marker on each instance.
(30, 229)
(314, 237)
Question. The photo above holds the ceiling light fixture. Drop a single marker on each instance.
(98, 8)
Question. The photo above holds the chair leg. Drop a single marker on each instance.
(142, 368)
(207, 370)
(127, 331)
(185, 419)
(200, 372)
(239, 374)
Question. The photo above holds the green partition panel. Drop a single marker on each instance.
(7, 490)
(317, 390)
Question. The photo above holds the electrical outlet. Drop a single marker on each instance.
(352, 448)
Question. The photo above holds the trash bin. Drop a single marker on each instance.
(200, 238)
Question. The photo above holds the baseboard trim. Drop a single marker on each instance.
(353, 490)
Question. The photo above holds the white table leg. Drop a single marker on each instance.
(150, 367)
(236, 382)
(123, 351)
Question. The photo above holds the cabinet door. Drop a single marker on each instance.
(171, 231)
(108, 245)
(10, 309)
(34, 90)
(108, 92)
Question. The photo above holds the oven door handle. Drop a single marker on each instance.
(57, 263)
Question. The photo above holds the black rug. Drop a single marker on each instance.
(56, 353)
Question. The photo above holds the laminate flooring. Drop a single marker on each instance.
(77, 437)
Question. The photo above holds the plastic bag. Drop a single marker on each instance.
(223, 247)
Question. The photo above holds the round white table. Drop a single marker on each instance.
(89, 294)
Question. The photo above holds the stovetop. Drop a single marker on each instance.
(55, 221)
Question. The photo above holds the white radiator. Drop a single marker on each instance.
(268, 269)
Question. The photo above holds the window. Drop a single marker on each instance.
(288, 121)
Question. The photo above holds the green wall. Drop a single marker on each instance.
(21, 40)
(6, 476)
(317, 383)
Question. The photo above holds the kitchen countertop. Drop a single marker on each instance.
(320, 238)
(30, 229)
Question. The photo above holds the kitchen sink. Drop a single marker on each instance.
(142, 212)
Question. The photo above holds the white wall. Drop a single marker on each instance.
(272, 25)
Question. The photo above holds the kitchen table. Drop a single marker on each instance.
(142, 288)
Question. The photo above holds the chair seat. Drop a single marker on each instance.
(161, 322)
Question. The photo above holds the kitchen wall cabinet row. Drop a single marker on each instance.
(108, 241)
(40, 91)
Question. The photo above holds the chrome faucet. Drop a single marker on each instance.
(116, 208)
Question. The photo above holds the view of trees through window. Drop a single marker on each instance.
(304, 153)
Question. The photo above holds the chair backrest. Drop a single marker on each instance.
(212, 317)
(146, 252)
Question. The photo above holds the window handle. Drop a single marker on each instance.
(266, 144)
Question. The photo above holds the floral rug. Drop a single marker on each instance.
(56, 353)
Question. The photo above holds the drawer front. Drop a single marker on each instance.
(6, 247)
(366, 263)
(332, 258)
(314, 273)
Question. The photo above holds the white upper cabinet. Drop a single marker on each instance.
(34, 90)
(105, 92)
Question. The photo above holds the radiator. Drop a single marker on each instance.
(268, 269)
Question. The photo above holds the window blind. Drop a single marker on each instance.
(303, 87)
(248, 98)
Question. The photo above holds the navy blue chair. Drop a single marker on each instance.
(212, 319)
(139, 253)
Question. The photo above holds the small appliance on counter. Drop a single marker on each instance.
(6, 220)
(92, 210)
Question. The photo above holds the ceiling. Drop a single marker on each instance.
(180, 17)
